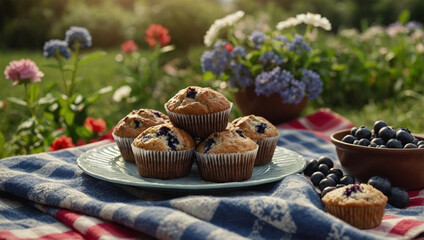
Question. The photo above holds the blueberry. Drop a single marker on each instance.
(378, 141)
(353, 131)
(352, 189)
(157, 114)
(404, 137)
(348, 139)
(191, 93)
(382, 146)
(378, 125)
(163, 131)
(372, 145)
(172, 142)
(420, 143)
(323, 168)
(394, 143)
(416, 140)
(356, 142)
(364, 142)
(310, 168)
(347, 179)
(363, 132)
(260, 128)
(316, 178)
(340, 185)
(325, 160)
(326, 190)
(410, 145)
(208, 144)
(326, 182)
(381, 183)
(421, 146)
(137, 123)
(334, 177)
(336, 171)
(240, 133)
(399, 197)
(387, 133)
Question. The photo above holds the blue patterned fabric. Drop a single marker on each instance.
(286, 209)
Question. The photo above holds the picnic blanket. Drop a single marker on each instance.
(46, 196)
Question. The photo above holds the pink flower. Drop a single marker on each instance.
(129, 46)
(23, 71)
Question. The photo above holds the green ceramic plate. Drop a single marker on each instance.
(106, 163)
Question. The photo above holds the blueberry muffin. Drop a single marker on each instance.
(132, 125)
(262, 132)
(163, 151)
(361, 206)
(199, 111)
(226, 156)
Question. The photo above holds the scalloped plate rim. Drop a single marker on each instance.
(171, 185)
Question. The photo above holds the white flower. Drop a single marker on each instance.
(229, 20)
(314, 19)
(372, 32)
(291, 22)
(121, 93)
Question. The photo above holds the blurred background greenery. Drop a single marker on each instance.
(359, 83)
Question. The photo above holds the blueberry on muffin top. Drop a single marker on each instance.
(355, 194)
(138, 121)
(228, 141)
(255, 127)
(164, 137)
(197, 101)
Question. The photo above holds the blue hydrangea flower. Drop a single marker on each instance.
(217, 60)
(270, 59)
(258, 38)
(51, 46)
(78, 34)
(267, 83)
(313, 83)
(291, 91)
(299, 45)
(238, 51)
(413, 25)
(241, 76)
(283, 39)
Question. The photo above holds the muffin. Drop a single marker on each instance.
(262, 132)
(361, 206)
(163, 151)
(226, 156)
(132, 125)
(199, 111)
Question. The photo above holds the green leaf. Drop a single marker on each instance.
(68, 68)
(34, 91)
(92, 99)
(52, 65)
(91, 56)
(83, 132)
(17, 101)
(338, 67)
(2, 145)
(48, 99)
(27, 124)
(68, 116)
(207, 76)
(256, 69)
(404, 16)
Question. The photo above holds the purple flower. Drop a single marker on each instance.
(283, 39)
(413, 25)
(291, 91)
(270, 60)
(267, 83)
(238, 51)
(217, 60)
(52, 46)
(241, 75)
(80, 35)
(313, 84)
(258, 38)
(299, 45)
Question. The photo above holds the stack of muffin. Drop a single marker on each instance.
(164, 147)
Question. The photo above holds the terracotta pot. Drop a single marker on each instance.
(272, 108)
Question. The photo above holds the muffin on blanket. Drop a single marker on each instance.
(132, 125)
(199, 111)
(163, 151)
(361, 206)
(226, 156)
(262, 132)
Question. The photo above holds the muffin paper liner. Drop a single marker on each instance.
(266, 150)
(201, 125)
(363, 217)
(163, 164)
(226, 167)
(124, 145)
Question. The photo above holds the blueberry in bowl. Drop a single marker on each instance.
(392, 157)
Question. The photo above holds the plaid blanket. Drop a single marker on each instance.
(46, 196)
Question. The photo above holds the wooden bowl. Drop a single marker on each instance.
(403, 167)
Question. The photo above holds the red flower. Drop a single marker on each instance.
(156, 32)
(229, 47)
(80, 142)
(129, 47)
(61, 142)
(97, 125)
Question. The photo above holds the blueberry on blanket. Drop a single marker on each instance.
(399, 197)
